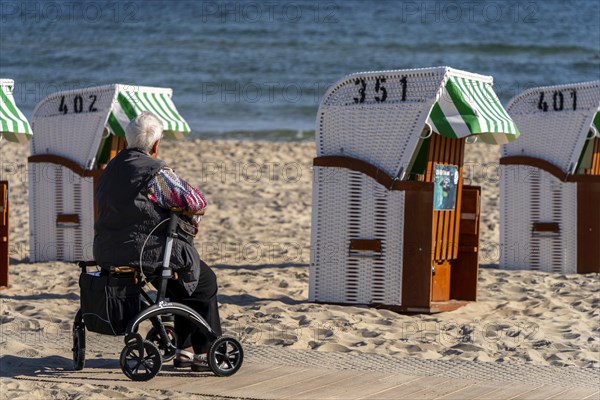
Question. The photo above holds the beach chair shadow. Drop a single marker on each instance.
(12, 366)
(44, 296)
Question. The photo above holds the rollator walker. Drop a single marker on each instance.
(141, 358)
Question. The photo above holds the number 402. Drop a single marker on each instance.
(77, 104)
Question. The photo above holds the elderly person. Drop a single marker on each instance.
(134, 194)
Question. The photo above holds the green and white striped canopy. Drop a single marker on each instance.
(469, 107)
(131, 103)
(13, 124)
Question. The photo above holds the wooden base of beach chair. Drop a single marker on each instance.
(588, 226)
(4, 234)
(434, 308)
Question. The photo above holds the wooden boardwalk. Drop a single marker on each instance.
(259, 381)
(275, 373)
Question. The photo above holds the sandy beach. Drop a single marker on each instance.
(256, 236)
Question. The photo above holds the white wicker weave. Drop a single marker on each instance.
(54, 190)
(528, 194)
(354, 206)
(77, 135)
(384, 134)
(554, 136)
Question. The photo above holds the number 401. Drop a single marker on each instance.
(558, 101)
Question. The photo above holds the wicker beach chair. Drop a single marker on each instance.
(550, 181)
(77, 133)
(376, 238)
(14, 127)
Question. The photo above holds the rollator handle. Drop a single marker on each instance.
(174, 220)
(179, 210)
(84, 264)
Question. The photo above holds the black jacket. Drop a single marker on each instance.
(127, 217)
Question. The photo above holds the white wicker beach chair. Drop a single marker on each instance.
(14, 128)
(375, 236)
(550, 181)
(77, 133)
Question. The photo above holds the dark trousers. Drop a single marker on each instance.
(204, 301)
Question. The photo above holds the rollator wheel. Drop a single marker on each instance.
(167, 354)
(78, 346)
(225, 356)
(140, 368)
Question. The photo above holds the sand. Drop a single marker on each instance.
(256, 235)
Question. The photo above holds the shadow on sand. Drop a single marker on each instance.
(97, 369)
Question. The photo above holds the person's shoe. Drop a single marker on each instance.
(183, 359)
(200, 364)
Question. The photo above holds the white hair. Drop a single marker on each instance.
(143, 131)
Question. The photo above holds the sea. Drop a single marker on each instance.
(258, 69)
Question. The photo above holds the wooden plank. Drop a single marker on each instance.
(477, 391)
(468, 226)
(417, 249)
(335, 380)
(434, 150)
(431, 155)
(439, 239)
(435, 307)
(438, 391)
(114, 146)
(122, 144)
(594, 396)
(218, 386)
(459, 198)
(4, 234)
(552, 227)
(440, 290)
(364, 385)
(451, 216)
(541, 393)
(406, 391)
(588, 227)
(465, 269)
(453, 222)
(365, 168)
(365, 245)
(3, 202)
(275, 387)
(439, 214)
(67, 218)
(470, 203)
(510, 391)
(595, 170)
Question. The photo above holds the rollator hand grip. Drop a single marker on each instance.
(172, 229)
(179, 210)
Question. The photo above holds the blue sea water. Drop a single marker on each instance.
(258, 69)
